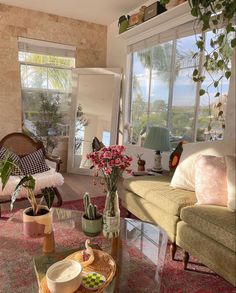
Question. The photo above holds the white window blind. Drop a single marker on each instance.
(187, 29)
(45, 48)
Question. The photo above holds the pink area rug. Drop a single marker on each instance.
(174, 279)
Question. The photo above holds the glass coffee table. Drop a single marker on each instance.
(139, 252)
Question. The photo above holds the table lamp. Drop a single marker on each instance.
(157, 139)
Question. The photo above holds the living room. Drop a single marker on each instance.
(158, 78)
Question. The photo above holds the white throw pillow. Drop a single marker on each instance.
(184, 176)
(231, 181)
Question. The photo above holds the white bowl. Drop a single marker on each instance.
(64, 276)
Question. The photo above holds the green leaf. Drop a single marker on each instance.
(220, 63)
(7, 166)
(233, 43)
(215, 54)
(215, 21)
(227, 74)
(195, 72)
(202, 92)
(217, 94)
(194, 11)
(216, 83)
(219, 105)
(200, 45)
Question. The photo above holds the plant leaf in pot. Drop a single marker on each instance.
(37, 219)
(91, 220)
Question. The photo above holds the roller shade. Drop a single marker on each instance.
(45, 48)
(187, 29)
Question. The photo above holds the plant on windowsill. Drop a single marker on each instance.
(141, 163)
(218, 16)
(37, 219)
(91, 220)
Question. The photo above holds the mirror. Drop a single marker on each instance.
(94, 112)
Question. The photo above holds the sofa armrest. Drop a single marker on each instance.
(55, 159)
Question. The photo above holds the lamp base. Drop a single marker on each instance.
(160, 171)
(157, 163)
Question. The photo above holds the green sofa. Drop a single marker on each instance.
(207, 232)
(150, 198)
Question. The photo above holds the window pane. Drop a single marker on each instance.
(183, 105)
(161, 57)
(59, 79)
(140, 93)
(34, 77)
(211, 116)
(210, 124)
(46, 59)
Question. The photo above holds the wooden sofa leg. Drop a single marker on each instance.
(128, 214)
(185, 259)
(59, 198)
(173, 248)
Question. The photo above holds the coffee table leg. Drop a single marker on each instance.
(173, 249)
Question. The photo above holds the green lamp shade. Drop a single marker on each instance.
(158, 139)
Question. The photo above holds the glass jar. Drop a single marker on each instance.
(111, 215)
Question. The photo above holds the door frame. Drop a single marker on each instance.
(117, 73)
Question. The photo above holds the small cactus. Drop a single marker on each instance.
(90, 209)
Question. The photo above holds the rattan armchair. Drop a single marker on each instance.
(22, 145)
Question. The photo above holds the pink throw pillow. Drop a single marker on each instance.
(211, 180)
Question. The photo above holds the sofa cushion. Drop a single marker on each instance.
(50, 178)
(210, 180)
(231, 181)
(34, 163)
(157, 190)
(184, 176)
(217, 222)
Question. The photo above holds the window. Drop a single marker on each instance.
(46, 93)
(164, 94)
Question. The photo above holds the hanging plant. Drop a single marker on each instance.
(217, 16)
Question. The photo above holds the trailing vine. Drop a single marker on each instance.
(217, 16)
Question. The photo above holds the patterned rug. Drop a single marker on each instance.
(197, 279)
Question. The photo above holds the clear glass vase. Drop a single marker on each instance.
(111, 215)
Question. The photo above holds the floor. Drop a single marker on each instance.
(73, 188)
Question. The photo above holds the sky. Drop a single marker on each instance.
(184, 90)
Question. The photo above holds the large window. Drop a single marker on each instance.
(46, 95)
(164, 94)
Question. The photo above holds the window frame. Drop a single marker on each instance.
(171, 87)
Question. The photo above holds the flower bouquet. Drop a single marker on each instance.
(111, 162)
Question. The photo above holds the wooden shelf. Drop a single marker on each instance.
(160, 23)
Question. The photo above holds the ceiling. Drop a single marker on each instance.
(97, 11)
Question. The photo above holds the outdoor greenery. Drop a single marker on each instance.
(46, 87)
(47, 123)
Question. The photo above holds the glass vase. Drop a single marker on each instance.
(111, 215)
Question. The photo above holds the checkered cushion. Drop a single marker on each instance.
(34, 163)
(14, 157)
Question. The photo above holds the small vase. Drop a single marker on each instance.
(111, 215)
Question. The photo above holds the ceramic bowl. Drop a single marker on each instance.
(64, 276)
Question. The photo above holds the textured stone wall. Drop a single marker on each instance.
(90, 40)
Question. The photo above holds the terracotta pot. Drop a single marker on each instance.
(37, 226)
(141, 165)
(92, 228)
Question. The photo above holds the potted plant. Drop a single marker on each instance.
(141, 163)
(91, 220)
(37, 219)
